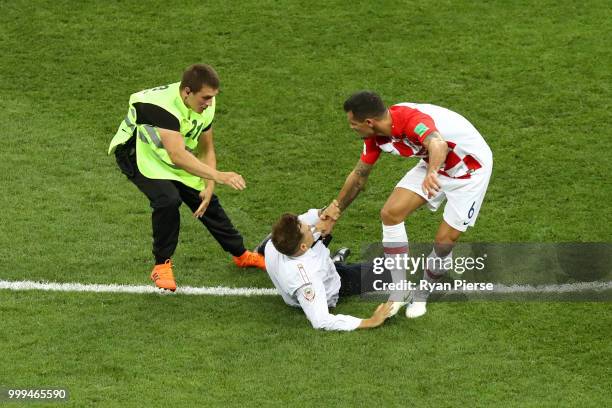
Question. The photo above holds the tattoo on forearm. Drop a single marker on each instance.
(363, 169)
(432, 136)
(347, 197)
(354, 184)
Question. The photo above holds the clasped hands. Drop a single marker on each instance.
(328, 217)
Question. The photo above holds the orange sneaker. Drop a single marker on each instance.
(250, 259)
(163, 277)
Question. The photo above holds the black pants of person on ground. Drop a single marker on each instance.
(350, 278)
(165, 198)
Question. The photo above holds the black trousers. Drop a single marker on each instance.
(165, 198)
(360, 278)
(350, 278)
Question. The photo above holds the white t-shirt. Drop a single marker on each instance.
(309, 281)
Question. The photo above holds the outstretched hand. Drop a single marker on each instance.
(326, 226)
(381, 314)
(331, 211)
(205, 196)
(234, 180)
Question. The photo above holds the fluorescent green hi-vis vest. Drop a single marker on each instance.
(153, 160)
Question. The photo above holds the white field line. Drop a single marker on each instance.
(226, 291)
(558, 288)
(181, 290)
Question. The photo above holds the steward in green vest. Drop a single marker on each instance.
(165, 147)
(153, 159)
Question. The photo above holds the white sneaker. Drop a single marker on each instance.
(416, 309)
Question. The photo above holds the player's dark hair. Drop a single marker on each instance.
(198, 75)
(286, 234)
(364, 105)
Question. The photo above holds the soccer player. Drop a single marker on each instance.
(300, 267)
(165, 147)
(455, 165)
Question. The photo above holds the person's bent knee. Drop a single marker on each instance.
(167, 201)
(388, 217)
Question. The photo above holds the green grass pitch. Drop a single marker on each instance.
(534, 78)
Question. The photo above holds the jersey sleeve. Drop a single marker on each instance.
(313, 300)
(371, 151)
(149, 114)
(311, 217)
(419, 126)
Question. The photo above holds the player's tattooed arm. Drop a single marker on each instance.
(362, 169)
(437, 150)
(432, 136)
(354, 184)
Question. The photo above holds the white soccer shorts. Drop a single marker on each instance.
(464, 195)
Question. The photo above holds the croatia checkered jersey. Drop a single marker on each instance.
(412, 123)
